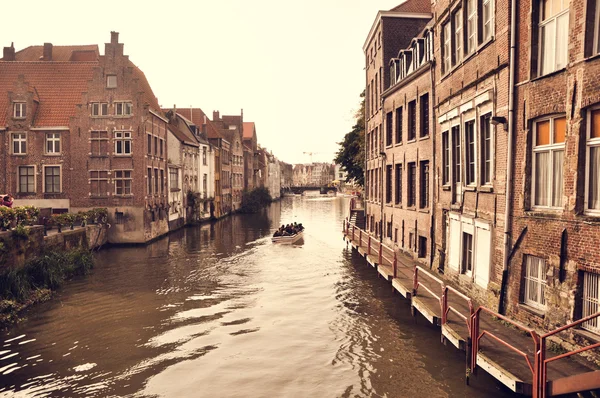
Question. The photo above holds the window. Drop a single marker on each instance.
(553, 32)
(412, 120)
(422, 247)
(398, 183)
(98, 183)
(591, 301)
(424, 104)
(388, 128)
(99, 108)
(456, 163)
(156, 192)
(445, 158)
(467, 254)
(412, 181)
(123, 142)
(204, 156)
(470, 152)
(123, 182)
(19, 143)
(597, 29)
(123, 108)
(458, 36)
(149, 181)
(173, 178)
(119, 217)
(593, 163)
(26, 179)
(424, 184)
(395, 235)
(388, 184)
(161, 145)
(447, 46)
(19, 110)
(111, 81)
(485, 149)
(488, 20)
(155, 146)
(205, 184)
(52, 179)
(389, 229)
(52, 143)
(411, 237)
(149, 139)
(399, 125)
(99, 143)
(535, 282)
(548, 156)
(162, 181)
(471, 26)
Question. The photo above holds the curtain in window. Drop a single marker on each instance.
(541, 179)
(548, 34)
(594, 179)
(557, 175)
(562, 40)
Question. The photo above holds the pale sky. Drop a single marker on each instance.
(296, 68)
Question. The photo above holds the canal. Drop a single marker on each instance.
(219, 311)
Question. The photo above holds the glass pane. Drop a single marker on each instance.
(541, 179)
(560, 126)
(595, 124)
(542, 133)
(557, 183)
(594, 179)
(548, 46)
(562, 40)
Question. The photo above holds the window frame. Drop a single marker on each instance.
(125, 138)
(411, 184)
(399, 120)
(45, 182)
(109, 81)
(99, 109)
(21, 107)
(99, 179)
(466, 268)
(125, 106)
(470, 177)
(98, 140)
(457, 42)
(551, 149)
(424, 115)
(540, 281)
(481, 145)
(389, 128)
(446, 46)
(484, 39)
(398, 186)
(22, 140)
(389, 170)
(590, 143)
(123, 179)
(412, 121)
(446, 158)
(596, 49)
(541, 24)
(472, 16)
(34, 176)
(52, 138)
(424, 175)
(592, 325)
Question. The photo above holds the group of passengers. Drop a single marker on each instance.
(289, 230)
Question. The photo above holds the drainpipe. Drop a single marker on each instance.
(509, 154)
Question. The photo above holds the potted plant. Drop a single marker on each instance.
(7, 216)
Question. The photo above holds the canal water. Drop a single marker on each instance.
(219, 311)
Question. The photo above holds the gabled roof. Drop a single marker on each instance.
(144, 85)
(84, 53)
(414, 6)
(59, 86)
(198, 117)
(249, 130)
(181, 131)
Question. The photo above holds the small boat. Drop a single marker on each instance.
(287, 239)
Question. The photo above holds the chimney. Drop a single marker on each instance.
(9, 53)
(215, 116)
(47, 52)
(114, 37)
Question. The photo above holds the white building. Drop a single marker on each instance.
(274, 177)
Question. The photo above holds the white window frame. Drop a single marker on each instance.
(99, 109)
(475, 154)
(551, 148)
(539, 282)
(123, 137)
(541, 25)
(126, 108)
(467, 229)
(34, 178)
(591, 301)
(19, 110)
(447, 46)
(490, 21)
(479, 148)
(60, 178)
(590, 143)
(446, 159)
(19, 137)
(52, 139)
(597, 29)
(457, 22)
(471, 12)
(120, 175)
(111, 81)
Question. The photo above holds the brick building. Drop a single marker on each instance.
(250, 141)
(231, 128)
(554, 273)
(75, 124)
(391, 32)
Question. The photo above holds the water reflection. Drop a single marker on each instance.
(217, 310)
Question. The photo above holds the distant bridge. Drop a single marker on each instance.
(322, 189)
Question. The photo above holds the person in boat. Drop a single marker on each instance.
(7, 200)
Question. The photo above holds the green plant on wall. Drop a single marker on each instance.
(20, 232)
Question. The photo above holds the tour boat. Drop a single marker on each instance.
(287, 239)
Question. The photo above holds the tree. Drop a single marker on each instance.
(351, 155)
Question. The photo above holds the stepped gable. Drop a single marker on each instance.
(57, 85)
(414, 6)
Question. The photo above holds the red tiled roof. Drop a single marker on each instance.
(249, 129)
(144, 85)
(197, 116)
(59, 85)
(414, 6)
(60, 53)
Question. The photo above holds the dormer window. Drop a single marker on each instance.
(19, 110)
(111, 81)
